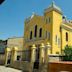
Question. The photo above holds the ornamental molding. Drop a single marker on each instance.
(66, 28)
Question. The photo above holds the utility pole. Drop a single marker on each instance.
(1, 1)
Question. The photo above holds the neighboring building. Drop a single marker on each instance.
(15, 42)
(53, 28)
(3, 45)
(13, 53)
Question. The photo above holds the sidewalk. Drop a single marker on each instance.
(7, 69)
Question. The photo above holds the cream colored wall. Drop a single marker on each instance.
(15, 42)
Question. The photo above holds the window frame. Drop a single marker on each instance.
(40, 32)
(30, 35)
(66, 36)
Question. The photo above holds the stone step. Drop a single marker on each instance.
(35, 70)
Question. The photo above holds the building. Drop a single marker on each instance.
(13, 52)
(52, 28)
(3, 45)
(15, 42)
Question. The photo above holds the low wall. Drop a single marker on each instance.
(27, 66)
(16, 64)
(2, 59)
(60, 67)
(22, 65)
(55, 58)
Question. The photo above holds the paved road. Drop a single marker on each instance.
(7, 69)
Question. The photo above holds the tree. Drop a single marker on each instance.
(68, 53)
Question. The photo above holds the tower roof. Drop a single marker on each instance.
(53, 6)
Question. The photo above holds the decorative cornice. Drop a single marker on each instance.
(53, 7)
(67, 23)
(69, 29)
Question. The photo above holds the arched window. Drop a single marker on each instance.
(56, 39)
(40, 32)
(31, 35)
(48, 35)
(66, 36)
(35, 32)
(48, 20)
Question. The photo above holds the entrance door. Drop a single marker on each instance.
(9, 59)
(36, 63)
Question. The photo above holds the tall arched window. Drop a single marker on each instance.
(48, 20)
(56, 39)
(35, 32)
(40, 32)
(66, 36)
(31, 35)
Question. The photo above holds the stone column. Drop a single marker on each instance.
(7, 50)
(42, 53)
(48, 46)
(33, 53)
(14, 54)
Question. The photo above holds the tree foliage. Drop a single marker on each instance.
(68, 53)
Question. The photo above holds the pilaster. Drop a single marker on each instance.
(14, 54)
(7, 50)
(42, 53)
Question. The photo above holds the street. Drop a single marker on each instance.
(7, 69)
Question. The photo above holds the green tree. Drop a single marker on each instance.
(68, 53)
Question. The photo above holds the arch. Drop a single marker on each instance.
(35, 32)
(31, 35)
(40, 32)
(66, 36)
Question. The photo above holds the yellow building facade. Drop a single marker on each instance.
(45, 38)
(52, 27)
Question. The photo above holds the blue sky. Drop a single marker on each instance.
(14, 12)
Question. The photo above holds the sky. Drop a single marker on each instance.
(14, 12)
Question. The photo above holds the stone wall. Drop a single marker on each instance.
(54, 58)
(16, 64)
(2, 59)
(27, 66)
